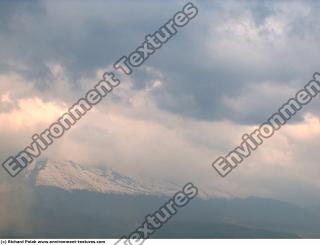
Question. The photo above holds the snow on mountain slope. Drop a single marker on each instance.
(69, 175)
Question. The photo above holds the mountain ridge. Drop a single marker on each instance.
(69, 175)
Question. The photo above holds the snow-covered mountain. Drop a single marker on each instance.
(69, 175)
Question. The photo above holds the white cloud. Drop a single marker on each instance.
(129, 132)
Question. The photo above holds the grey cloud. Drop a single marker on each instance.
(84, 37)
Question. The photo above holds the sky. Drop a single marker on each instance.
(221, 76)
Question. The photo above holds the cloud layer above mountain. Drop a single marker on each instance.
(220, 77)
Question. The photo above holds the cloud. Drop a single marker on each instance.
(227, 46)
(220, 77)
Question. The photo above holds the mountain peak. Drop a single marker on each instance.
(70, 175)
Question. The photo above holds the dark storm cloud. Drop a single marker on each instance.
(85, 36)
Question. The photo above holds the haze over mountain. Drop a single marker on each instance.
(70, 200)
(69, 175)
